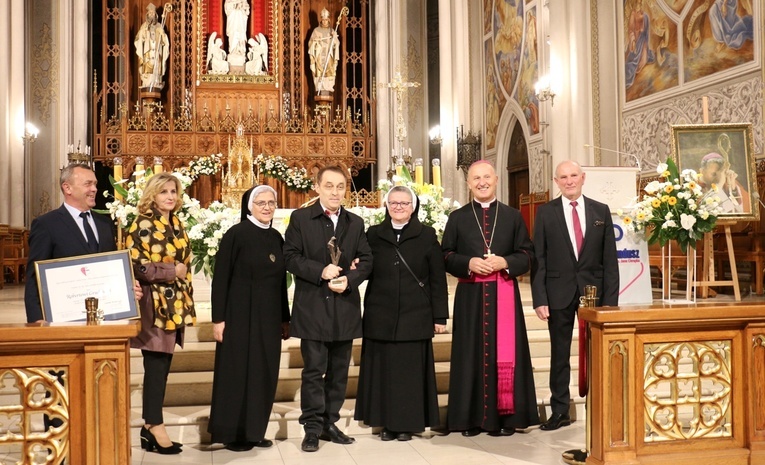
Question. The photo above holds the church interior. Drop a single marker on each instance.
(235, 93)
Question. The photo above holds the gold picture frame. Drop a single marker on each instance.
(723, 156)
(65, 283)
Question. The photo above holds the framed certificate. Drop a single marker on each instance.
(65, 283)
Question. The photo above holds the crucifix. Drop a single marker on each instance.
(399, 86)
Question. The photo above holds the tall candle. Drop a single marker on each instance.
(138, 168)
(437, 172)
(418, 171)
(158, 165)
(117, 176)
(399, 171)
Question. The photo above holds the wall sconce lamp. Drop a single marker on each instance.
(468, 149)
(543, 91)
(30, 133)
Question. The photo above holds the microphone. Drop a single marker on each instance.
(637, 160)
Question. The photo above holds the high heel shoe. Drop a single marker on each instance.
(149, 442)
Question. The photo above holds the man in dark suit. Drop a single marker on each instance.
(326, 313)
(574, 246)
(70, 230)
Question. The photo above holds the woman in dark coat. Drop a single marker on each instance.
(250, 318)
(397, 381)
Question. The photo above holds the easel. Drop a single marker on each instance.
(708, 267)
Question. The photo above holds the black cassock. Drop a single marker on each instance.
(249, 293)
(473, 378)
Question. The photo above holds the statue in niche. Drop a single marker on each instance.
(257, 56)
(237, 17)
(216, 56)
(153, 48)
(324, 51)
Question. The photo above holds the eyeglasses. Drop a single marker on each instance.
(262, 204)
(399, 204)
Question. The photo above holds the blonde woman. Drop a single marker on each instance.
(159, 248)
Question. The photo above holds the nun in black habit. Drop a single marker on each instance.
(405, 304)
(250, 318)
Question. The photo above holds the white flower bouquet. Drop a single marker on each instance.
(208, 165)
(210, 225)
(296, 179)
(674, 208)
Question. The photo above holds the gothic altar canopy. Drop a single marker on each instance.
(173, 81)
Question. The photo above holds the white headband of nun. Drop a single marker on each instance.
(415, 199)
(259, 190)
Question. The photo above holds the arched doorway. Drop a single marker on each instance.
(517, 167)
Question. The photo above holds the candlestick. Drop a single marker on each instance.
(418, 171)
(436, 172)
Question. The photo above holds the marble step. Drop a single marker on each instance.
(188, 424)
(195, 388)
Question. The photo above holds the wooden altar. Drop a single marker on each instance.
(197, 111)
(681, 385)
(90, 412)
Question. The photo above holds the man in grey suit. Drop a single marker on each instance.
(574, 246)
(70, 230)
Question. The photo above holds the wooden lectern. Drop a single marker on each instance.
(681, 385)
(87, 417)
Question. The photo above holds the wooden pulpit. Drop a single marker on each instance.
(65, 389)
(681, 385)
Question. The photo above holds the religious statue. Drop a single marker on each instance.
(257, 56)
(216, 56)
(237, 17)
(239, 175)
(324, 51)
(153, 48)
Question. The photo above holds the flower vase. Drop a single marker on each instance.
(673, 262)
(203, 190)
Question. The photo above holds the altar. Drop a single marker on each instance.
(677, 384)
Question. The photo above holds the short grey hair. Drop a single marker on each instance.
(68, 172)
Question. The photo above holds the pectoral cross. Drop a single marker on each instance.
(488, 254)
(399, 86)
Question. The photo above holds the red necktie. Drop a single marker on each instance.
(577, 228)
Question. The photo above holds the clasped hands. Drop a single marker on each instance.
(488, 265)
(331, 272)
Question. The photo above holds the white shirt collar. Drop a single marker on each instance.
(257, 223)
(486, 204)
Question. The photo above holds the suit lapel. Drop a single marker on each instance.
(561, 219)
(72, 228)
(589, 216)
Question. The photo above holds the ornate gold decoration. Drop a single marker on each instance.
(44, 75)
(31, 393)
(363, 198)
(239, 175)
(687, 390)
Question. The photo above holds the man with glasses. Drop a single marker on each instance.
(321, 244)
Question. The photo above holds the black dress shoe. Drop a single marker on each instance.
(264, 443)
(240, 446)
(333, 433)
(149, 442)
(470, 432)
(556, 421)
(575, 456)
(387, 435)
(503, 432)
(404, 436)
(310, 442)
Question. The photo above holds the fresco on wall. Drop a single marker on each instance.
(495, 101)
(508, 37)
(525, 94)
(487, 5)
(718, 36)
(650, 56)
(676, 5)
